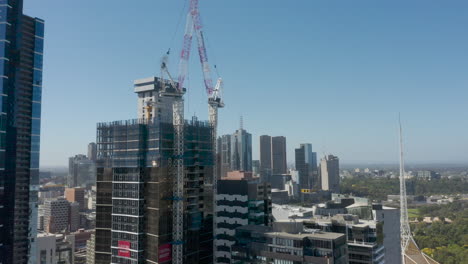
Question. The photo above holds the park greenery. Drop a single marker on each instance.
(446, 242)
(379, 188)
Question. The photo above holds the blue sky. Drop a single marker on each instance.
(331, 73)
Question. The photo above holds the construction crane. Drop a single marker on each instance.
(193, 24)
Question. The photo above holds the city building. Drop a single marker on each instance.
(428, 175)
(256, 167)
(272, 156)
(241, 150)
(241, 200)
(74, 216)
(306, 165)
(90, 245)
(92, 151)
(330, 173)
(134, 200)
(55, 249)
(56, 215)
(288, 242)
(278, 155)
(21, 56)
(81, 171)
(76, 195)
(364, 238)
(224, 151)
(265, 157)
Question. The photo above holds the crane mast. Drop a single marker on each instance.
(193, 24)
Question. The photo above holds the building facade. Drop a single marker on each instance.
(81, 171)
(134, 197)
(241, 200)
(76, 195)
(21, 55)
(224, 151)
(56, 215)
(92, 151)
(330, 173)
(278, 155)
(287, 243)
(241, 151)
(265, 156)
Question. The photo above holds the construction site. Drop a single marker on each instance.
(156, 174)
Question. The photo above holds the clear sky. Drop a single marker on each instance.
(331, 73)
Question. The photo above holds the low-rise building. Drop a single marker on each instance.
(282, 243)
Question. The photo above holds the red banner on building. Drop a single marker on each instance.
(165, 252)
(124, 247)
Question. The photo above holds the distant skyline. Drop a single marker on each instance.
(334, 74)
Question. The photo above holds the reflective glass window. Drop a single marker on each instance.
(4, 49)
(3, 11)
(35, 143)
(36, 109)
(2, 140)
(34, 176)
(37, 93)
(3, 67)
(2, 159)
(37, 77)
(37, 61)
(39, 29)
(34, 160)
(39, 45)
(36, 126)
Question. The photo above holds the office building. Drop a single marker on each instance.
(90, 245)
(241, 200)
(56, 215)
(241, 151)
(306, 165)
(135, 186)
(76, 195)
(330, 173)
(364, 237)
(74, 216)
(288, 242)
(55, 248)
(428, 175)
(92, 151)
(81, 171)
(21, 55)
(256, 168)
(278, 155)
(265, 155)
(224, 151)
(272, 156)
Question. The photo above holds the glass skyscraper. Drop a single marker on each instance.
(21, 52)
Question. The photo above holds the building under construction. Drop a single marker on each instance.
(134, 222)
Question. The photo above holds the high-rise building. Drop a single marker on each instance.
(74, 216)
(56, 215)
(272, 156)
(76, 195)
(306, 165)
(21, 54)
(241, 200)
(278, 155)
(265, 155)
(241, 150)
(92, 151)
(134, 206)
(81, 171)
(330, 173)
(224, 151)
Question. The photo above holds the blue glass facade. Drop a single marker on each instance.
(21, 56)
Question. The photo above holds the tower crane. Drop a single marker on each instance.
(193, 24)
